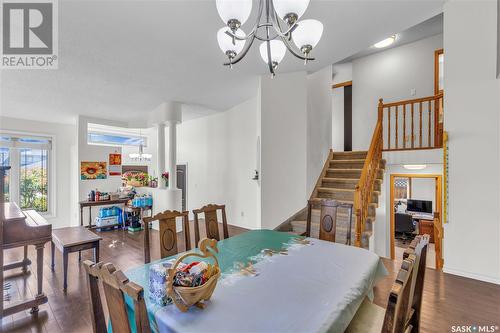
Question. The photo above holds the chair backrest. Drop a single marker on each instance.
(417, 251)
(168, 231)
(328, 219)
(115, 285)
(404, 223)
(211, 222)
(395, 320)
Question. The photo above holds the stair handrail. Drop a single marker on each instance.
(364, 189)
(422, 123)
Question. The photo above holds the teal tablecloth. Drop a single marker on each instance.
(315, 288)
(234, 249)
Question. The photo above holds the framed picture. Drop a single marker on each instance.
(115, 164)
(115, 159)
(93, 170)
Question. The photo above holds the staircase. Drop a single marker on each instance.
(338, 181)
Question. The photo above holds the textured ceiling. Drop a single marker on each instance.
(119, 59)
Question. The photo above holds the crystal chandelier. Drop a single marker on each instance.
(277, 25)
(141, 156)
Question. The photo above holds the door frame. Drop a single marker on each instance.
(186, 180)
(438, 194)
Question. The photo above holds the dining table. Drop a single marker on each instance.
(273, 281)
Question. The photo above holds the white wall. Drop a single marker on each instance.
(472, 235)
(220, 152)
(62, 154)
(341, 73)
(390, 75)
(95, 153)
(424, 189)
(284, 147)
(319, 120)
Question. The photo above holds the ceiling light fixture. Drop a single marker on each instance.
(141, 156)
(414, 166)
(386, 42)
(271, 15)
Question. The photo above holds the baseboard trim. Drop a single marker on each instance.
(470, 275)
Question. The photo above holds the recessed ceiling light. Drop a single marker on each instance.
(414, 166)
(386, 42)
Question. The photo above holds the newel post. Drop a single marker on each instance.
(380, 109)
(357, 211)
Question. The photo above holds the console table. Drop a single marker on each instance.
(91, 204)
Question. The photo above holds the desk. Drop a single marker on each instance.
(91, 204)
(426, 226)
(319, 287)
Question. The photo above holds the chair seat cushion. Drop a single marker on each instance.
(368, 319)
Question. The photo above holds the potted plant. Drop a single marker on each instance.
(153, 181)
(164, 176)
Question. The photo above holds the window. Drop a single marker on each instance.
(101, 138)
(27, 182)
(5, 161)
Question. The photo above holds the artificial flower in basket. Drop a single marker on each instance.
(135, 178)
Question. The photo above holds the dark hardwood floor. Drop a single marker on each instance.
(448, 300)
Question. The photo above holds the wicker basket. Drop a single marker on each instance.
(185, 297)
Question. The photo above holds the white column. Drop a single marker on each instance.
(160, 161)
(172, 155)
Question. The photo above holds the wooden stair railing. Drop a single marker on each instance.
(414, 123)
(364, 189)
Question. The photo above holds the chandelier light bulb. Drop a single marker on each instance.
(307, 35)
(290, 10)
(234, 13)
(278, 50)
(230, 46)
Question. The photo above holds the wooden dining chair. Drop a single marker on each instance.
(328, 219)
(115, 285)
(418, 251)
(211, 222)
(371, 318)
(168, 233)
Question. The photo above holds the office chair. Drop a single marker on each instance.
(403, 226)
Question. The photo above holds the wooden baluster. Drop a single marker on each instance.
(397, 125)
(389, 129)
(429, 130)
(412, 134)
(404, 125)
(436, 122)
(420, 126)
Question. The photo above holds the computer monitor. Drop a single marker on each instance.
(419, 206)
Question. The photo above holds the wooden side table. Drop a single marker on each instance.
(73, 239)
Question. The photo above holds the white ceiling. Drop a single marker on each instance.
(119, 59)
(428, 28)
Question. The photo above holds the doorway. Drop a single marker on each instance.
(348, 118)
(182, 183)
(415, 209)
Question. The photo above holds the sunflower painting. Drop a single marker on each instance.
(93, 170)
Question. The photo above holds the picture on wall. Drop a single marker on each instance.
(93, 170)
(115, 164)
